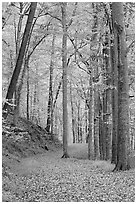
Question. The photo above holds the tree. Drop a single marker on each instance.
(72, 113)
(64, 85)
(16, 72)
(49, 127)
(114, 95)
(123, 95)
(91, 136)
(106, 98)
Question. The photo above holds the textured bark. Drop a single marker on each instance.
(106, 99)
(16, 72)
(123, 95)
(114, 92)
(92, 142)
(114, 104)
(17, 42)
(64, 84)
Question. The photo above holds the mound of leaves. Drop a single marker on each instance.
(23, 140)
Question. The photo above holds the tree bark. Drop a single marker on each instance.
(72, 113)
(28, 89)
(50, 100)
(123, 95)
(64, 85)
(16, 72)
(100, 128)
(114, 82)
(106, 99)
(91, 114)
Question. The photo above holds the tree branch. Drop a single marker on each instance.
(73, 14)
(128, 48)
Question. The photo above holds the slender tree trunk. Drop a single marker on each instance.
(92, 137)
(28, 90)
(96, 117)
(106, 99)
(114, 104)
(18, 33)
(34, 116)
(114, 92)
(57, 94)
(78, 118)
(100, 128)
(17, 42)
(72, 113)
(123, 95)
(91, 118)
(64, 66)
(16, 72)
(50, 100)
(86, 122)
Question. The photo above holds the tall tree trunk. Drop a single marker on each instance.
(50, 100)
(104, 128)
(91, 114)
(96, 118)
(92, 137)
(86, 121)
(16, 72)
(36, 100)
(18, 32)
(72, 113)
(64, 66)
(78, 118)
(17, 42)
(100, 128)
(114, 82)
(123, 95)
(28, 90)
(106, 99)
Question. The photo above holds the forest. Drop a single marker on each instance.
(68, 101)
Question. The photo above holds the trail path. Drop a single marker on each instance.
(49, 178)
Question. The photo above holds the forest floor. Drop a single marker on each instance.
(47, 177)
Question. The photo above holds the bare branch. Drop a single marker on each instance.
(73, 14)
(131, 45)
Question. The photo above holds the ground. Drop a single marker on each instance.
(48, 177)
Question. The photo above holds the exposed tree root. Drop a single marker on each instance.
(65, 155)
(121, 167)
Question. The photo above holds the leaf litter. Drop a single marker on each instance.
(52, 179)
